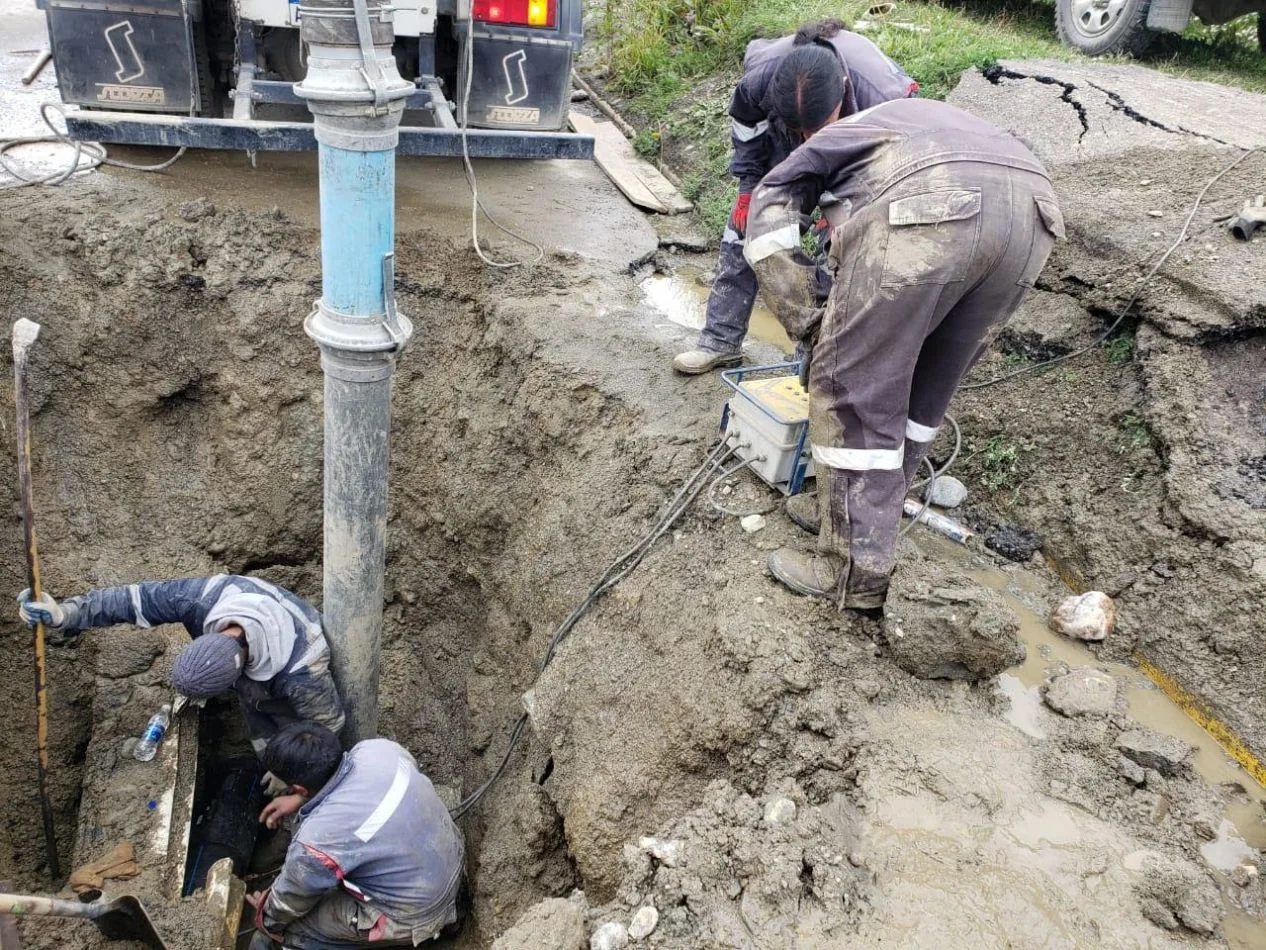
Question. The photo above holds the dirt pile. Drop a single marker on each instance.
(750, 763)
(1139, 464)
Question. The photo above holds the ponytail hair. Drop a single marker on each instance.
(819, 31)
(808, 86)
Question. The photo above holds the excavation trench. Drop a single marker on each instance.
(177, 431)
(537, 433)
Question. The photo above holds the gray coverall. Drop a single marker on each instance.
(760, 142)
(376, 860)
(942, 225)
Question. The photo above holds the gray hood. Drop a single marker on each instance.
(269, 627)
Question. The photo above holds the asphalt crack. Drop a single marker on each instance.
(1117, 101)
(995, 74)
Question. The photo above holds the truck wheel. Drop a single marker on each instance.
(1101, 27)
(208, 90)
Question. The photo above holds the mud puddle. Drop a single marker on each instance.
(1241, 835)
(682, 297)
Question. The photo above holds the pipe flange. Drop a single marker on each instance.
(341, 332)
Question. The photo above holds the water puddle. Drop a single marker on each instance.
(1241, 836)
(682, 297)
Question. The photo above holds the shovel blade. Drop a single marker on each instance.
(126, 919)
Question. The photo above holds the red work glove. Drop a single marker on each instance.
(738, 217)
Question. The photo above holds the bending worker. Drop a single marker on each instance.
(375, 861)
(767, 124)
(248, 635)
(943, 223)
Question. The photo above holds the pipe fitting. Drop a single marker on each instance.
(353, 88)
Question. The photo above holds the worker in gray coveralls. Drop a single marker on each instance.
(766, 127)
(940, 226)
(250, 636)
(375, 861)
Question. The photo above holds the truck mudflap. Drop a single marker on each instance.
(133, 128)
(136, 56)
(520, 81)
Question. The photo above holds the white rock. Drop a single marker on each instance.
(1090, 616)
(667, 851)
(752, 523)
(610, 936)
(1082, 692)
(947, 492)
(644, 921)
(779, 811)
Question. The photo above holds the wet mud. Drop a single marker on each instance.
(759, 768)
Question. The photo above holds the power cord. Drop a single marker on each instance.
(619, 569)
(86, 155)
(476, 206)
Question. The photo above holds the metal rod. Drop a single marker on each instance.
(37, 67)
(25, 333)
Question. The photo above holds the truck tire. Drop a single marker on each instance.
(1103, 27)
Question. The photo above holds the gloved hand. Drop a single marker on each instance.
(46, 610)
(804, 353)
(738, 217)
(273, 786)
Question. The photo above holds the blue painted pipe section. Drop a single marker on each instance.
(358, 217)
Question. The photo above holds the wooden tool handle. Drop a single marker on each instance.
(24, 905)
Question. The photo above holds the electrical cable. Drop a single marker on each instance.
(476, 206)
(711, 495)
(620, 568)
(86, 155)
(1138, 289)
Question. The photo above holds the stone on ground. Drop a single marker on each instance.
(643, 923)
(1155, 750)
(779, 811)
(1083, 692)
(1090, 616)
(941, 625)
(610, 936)
(553, 924)
(1013, 542)
(946, 492)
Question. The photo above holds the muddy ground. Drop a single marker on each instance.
(760, 769)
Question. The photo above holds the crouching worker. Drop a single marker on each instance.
(943, 223)
(769, 119)
(375, 860)
(263, 642)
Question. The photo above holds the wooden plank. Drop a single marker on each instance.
(638, 180)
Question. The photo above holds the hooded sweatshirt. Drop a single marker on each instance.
(287, 677)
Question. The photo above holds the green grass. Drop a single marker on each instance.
(674, 62)
(1119, 349)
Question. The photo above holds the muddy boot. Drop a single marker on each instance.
(864, 590)
(698, 361)
(913, 465)
(803, 510)
(815, 575)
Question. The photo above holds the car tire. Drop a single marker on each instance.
(1104, 27)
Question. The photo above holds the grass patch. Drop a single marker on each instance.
(1119, 349)
(675, 62)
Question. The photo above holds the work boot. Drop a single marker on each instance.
(803, 510)
(814, 575)
(697, 361)
(865, 590)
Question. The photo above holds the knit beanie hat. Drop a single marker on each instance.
(208, 666)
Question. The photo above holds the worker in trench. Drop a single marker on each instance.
(261, 641)
(375, 859)
(941, 224)
(765, 129)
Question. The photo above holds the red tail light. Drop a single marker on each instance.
(517, 12)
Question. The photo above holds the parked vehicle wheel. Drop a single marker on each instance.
(1101, 27)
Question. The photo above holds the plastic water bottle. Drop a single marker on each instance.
(147, 747)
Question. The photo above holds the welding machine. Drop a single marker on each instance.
(767, 418)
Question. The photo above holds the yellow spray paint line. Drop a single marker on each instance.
(1199, 713)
